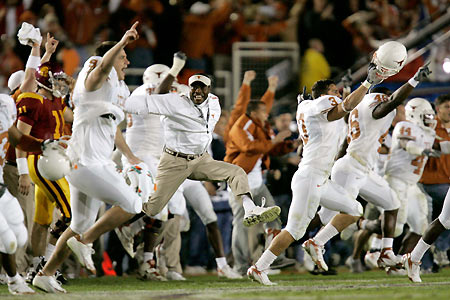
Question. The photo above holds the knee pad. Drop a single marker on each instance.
(8, 241)
(59, 227)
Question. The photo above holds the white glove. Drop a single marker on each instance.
(28, 35)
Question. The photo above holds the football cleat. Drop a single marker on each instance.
(126, 238)
(355, 265)
(316, 252)
(19, 287)
(412, 268)
(48, 284)
(33, 270)
(83, 252)
(387, 259)
(395, 271)
(260, 276)
(228, 272)
(174, 276)
(371, 258)
(261, 214)
(148, 271)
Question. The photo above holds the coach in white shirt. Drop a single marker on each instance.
(188, 122)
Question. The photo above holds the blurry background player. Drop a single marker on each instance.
(19, 185)
(13, 233)
(42, 115)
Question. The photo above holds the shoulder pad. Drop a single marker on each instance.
(30, 96)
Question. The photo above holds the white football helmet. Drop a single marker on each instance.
(54, 163)
(155, 74)
(180, 88)
(390, 58)
(420, 112)
(141, 180)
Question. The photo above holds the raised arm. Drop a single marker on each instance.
(100, 73)
(179, 59)
(269, 95)
(352, 100)
(400, 95)
(50, 47)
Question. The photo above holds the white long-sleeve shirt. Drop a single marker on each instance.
(187, 127)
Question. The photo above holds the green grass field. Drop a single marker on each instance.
(369, 285)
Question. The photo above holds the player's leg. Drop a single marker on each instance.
(377, 191)
(208, 169)
(305, 201)
(411, 261)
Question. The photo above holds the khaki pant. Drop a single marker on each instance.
(171, 243)
(173, 171)
(11, 179)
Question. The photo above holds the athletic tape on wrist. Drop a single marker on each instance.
(366, 84)
(33, 62)
(413, 82)
(22, 166)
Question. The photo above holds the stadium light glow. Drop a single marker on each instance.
(446, 65)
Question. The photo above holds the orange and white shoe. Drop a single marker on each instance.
(412, 268)
(260, 276)
(316, 252)
(388, 259)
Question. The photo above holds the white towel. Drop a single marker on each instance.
(28, 35)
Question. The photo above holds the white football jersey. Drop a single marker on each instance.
(8, 115)
(93, 136)
(321, 138)
(380, 166)
(401, 163)
(366, 134)
(145, 134)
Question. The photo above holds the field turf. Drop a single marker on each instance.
(291, 285)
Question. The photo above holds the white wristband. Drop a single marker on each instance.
(33, 62)
(413, 82)
(366, 84)
(343, 107)
(22, 165)
(178, 64)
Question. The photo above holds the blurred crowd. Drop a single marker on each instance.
(332, 34)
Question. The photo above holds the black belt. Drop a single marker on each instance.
(109, 116)
(182, 155)
(11, 163)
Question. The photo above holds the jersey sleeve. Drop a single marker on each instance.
(324, 104)
(28, 107)
(214, 112)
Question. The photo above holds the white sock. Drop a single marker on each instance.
(35, 261)
(49, 251)
(148, 256)
(387, 242)
(265, 260)
(221, 262)
(248, 203)
(419, 250)
(326, 234)
(376, 243)
(14, 278)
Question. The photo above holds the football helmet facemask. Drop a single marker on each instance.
(51, 77)
(420, 112)
(54, 163)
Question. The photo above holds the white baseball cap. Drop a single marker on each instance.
(16, 79)
(198, 77)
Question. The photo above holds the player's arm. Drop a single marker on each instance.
(121, 144)
(22, 141)
(50, 47)
(68, 115)
(400, 95)
(21, 160)
(179, 59)
(100, 73)
(29, 82)
(352, 100)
